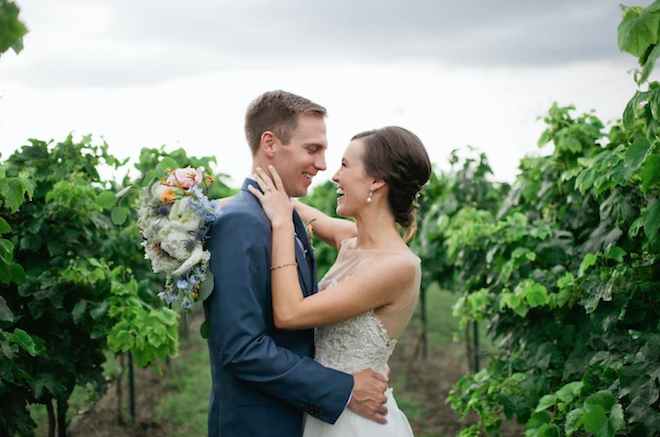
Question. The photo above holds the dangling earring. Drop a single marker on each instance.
(369, 198)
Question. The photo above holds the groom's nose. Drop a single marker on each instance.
(320, 161)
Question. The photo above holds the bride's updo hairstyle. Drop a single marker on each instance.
(398, 157)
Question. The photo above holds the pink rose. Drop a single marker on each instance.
(187, 177)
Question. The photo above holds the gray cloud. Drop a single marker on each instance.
(475, 32)
(204, 35)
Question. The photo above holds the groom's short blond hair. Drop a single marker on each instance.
(277, 111)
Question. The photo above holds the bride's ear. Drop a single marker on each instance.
(376, 184)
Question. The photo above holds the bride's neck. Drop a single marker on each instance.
(377, 229)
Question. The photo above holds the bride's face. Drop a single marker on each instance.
(352, 181)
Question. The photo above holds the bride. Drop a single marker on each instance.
(369, 295)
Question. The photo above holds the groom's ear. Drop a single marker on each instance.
(268, 143)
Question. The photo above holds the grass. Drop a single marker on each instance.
(187, 388)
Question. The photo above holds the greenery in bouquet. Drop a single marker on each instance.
(175, 217)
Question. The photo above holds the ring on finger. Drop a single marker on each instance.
(266, 188)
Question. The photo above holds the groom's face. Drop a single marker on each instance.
(303, 156)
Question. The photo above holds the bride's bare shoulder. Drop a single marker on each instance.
(402, 264)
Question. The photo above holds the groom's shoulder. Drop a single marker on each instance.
(243, 210)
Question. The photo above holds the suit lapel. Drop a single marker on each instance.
(302, 258)
(311, 259)
(305, 277)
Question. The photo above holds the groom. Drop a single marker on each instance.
(264, 378)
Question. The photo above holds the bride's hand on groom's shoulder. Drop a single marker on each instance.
(276, 203)
(368, 398)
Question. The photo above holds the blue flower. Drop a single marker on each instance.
(197, 271)
(186, 305)
(169, 296)
(196, 191)
(210, 217)
(193, 280)
(181, 284)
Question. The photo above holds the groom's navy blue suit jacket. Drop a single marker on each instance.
(263, 378)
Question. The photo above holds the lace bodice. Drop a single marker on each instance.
(361, 342)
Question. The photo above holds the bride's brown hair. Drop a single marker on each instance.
(398, 157)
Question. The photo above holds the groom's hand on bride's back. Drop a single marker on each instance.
(368, 399)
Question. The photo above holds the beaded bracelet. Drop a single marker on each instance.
(284, 265)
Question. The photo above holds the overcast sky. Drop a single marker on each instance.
(144, 73)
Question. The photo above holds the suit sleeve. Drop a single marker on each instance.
(240, 263)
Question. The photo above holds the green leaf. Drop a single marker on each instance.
(106, 199)
(78, 310)
(649, 64)
(516, 303)
(617, 418)
(168, 162)
(119, 215)
(635, 156)
(99, 311)
(588, 261)
(546, 402)
(586, 179)
(651, 220)
(636, 226)
(4, 227)
(570, 391)
(149, 177)
(535, 423)
(594, 417)
(123, 191)
(631, 107)
(548, 431)
(603, 398)
(574, 420)
(5, 313)
(615, 253)
(120, 338)
(566, 280)
(569, 143)
(637, 31)
(595, 290)
(205, 329)
(536, 295)
(13, 194)
(650, 172)
(24, 340)
(206, 287)
(17, 274)
(166, 315)
(28, 186)
(5, 272)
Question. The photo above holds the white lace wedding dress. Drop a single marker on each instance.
(362, 343)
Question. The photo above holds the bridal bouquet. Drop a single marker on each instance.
(175, 217)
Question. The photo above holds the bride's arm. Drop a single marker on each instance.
(330, 230)
(379, 282)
